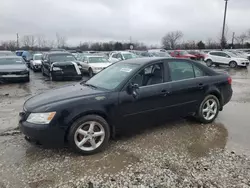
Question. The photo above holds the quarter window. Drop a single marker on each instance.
(180, 70)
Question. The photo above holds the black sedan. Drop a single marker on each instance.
(61, 65)
(13, 68)
(128, 93)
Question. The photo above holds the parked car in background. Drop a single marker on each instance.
(182, 54)
(6, 53)
(13, 68)
(36, 62)
(199, 55)
(121, 55)
(124, 95)
(157, 50)
(61, 65)
(225, 58)
(25, 55)
(159, 54)
(92, 64)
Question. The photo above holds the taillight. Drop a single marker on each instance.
(229, 79)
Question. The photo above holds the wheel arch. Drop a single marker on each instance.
(216, 93)
(91, 112)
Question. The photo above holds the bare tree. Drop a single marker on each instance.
(29, 40)
(41, 41)
(170, 40)
(9, 45)
(242, 38)
(60, 40)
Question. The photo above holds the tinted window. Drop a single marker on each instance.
(150, 75)
(214, 53)
(62, 57)
(180, 70)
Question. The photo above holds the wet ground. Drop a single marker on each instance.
(173, 144)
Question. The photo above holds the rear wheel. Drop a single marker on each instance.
(233, 64)
(209, 63)
(208, 109)
(89, 134)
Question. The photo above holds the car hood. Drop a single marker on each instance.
(13, 68)
(37, 61)
(64, 93)
(99, 64)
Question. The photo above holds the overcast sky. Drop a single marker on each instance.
(104, 20)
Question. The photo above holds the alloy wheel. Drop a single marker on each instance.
(209, 63)
(209, 109)
(233, 64)
(89, 136)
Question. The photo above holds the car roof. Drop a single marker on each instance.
(14, 56)
(59, 53)
(144, 60)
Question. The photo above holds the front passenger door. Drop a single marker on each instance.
(151, 104)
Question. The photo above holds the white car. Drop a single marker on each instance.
(92, 64)
(119, 56)
(225, 58)
(36, 62)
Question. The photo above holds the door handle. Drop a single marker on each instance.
(201, 85)
(165, 92)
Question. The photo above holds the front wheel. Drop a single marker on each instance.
(233, 64)
(89, 134)
(208, 109)
(91, 73)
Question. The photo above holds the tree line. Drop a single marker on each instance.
(172, 40)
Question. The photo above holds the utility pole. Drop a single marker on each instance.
(224, 23)
(17, 41)
(233, 39)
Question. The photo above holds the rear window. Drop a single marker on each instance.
(11, 61)
(61, 57)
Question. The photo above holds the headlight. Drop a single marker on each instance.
(56, 69)
(41, 118)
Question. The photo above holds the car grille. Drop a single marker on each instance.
(69, 69)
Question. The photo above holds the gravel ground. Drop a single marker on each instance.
(178, 154)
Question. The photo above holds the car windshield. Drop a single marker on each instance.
(113, 76)
(184, 53)
(98, 60)
(37, 57)
(63, 57)
(11, 61)
(129, 56)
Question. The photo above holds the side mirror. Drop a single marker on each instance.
(132, 89)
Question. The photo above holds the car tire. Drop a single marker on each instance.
(208, 109)
(233, 64)
(52, 77)
(91, 73)
(42, 69)
(209, 63)
(78, 140)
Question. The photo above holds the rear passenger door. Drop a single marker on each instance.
(187, 86)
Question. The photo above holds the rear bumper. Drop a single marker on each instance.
(227, 95)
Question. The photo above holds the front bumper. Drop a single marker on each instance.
(12, 77)
(47, 135)
(66, 75)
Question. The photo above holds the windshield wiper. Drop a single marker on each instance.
(90, 85)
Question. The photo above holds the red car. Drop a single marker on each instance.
(198, 54)
(182, 54)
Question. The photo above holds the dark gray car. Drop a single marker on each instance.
(13, 68)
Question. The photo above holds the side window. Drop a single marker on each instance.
(180, 70)
(150, 75)
(214, 53)
(114, 55)
(223, 54)
(119, 56)
(198, 72)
